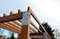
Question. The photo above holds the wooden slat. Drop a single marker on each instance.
(35, 34)
(9, 28)
(17, 26)
(30, 28)
(12, 23)
(19, 11)
(20, 20)
(14, 29)
(15, 21)
(33, 30)
(2, 25)
(34, 16)
(7, 24)
(19, 23)
(11, 17)
(35, 26)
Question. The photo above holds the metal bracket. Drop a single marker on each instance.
(25, 18)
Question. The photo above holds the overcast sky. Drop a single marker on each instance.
(45, 10)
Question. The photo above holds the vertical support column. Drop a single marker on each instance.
(25, 30)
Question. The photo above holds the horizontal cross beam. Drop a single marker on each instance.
(11, 17)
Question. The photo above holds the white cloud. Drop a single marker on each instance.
(50, 10)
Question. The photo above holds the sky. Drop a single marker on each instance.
(45, 10)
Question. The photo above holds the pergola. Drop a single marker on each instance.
(21, 24)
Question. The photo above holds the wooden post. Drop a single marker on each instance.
(25, 30)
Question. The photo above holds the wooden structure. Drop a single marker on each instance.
(21, 24)
(2, 38)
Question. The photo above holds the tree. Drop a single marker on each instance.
(12, 37)
(48, 29)
(0, 36)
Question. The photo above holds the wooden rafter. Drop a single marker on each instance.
(11, 17)
(34, 16)
(16, 30)
(13, 29)
(35, 26)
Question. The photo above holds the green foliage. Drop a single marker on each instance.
(12, 37)
(0, 36)
(48, 29)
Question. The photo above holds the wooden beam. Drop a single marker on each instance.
(9, 28)
(12, 22)
(25, 30)
(6, 25)
(33, 30)
(2, 25)
(15, 21)
(11, 17)
(20, 25)
(9, 25)
(35, 17)
(30, 27)
(35, 26)
(35, 34)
